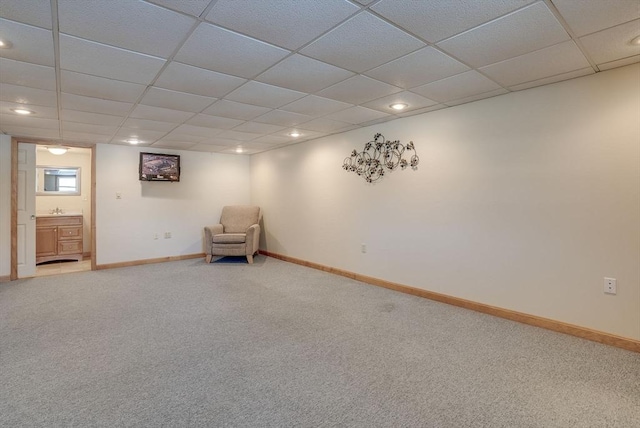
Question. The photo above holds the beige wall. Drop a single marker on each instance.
(524, 201)
(81, 203)
(126, 226)
(5, 205)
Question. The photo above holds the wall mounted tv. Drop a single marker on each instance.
(159, 167)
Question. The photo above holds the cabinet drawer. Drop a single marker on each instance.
(59, 221)
(69, 232)
(69, 247)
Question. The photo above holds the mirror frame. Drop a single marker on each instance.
(54, 192)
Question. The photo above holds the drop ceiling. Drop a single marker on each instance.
(216, 75)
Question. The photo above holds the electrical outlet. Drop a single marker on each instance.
(363, 248)
(610, 286)
(155, 236)
(167, 235)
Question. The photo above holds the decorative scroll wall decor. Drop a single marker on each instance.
(378, 156)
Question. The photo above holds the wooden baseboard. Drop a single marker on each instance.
(148, 261)
(86, 256)
(5, 278)
(549, 324)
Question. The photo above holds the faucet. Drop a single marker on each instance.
(56, 211)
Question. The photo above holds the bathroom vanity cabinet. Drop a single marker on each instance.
(58, 237)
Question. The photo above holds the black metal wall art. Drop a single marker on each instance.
(380, 155)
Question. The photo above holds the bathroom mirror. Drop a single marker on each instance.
(57, 180)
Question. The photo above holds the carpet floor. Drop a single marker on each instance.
(273, 344)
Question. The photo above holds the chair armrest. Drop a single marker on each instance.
(253, 237)
(209, 231)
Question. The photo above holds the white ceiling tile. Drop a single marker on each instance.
(27, 95)
(194, 80)
(362, 43)
(414, 101)
(94, 105)
(39, 111)
(358, 90)
(619, 63)
(31, 132)
(83, 137)
(259, 128)
(30, 44)
(191, 7)
(134, 25)
(88, 128)
(557, 78)
(224, 51)
(324, 125)
(168, 144)
(237, 135)
(273, 140)
(437, 20)
(312, 105)
(283, 118)
(33, 12)
(23, 121)
(422, 110)
(182, 136)
(214, 121)
(417, 68)
(97, 59)
(221, 142)
(477, 97)
(162, 114)
(93, 118)
(234, 110)
(526, 30)
(208, 148)
(144, 135)
(463, 85)
(25, 74)
(377, 121)
(272, 21)
(175, 100)
(589, 16)
(357, 115)
(245, 150)
(557, 59)
(201, 131)
(614, 43)
(303, 74)
(305, 134)
(264, 95)
(99, 87)
(149, 125)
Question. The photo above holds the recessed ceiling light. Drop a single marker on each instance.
(5, 44)
(295, 134)
(133, 141)
(399, 106)
(239, 150)
(22, 111)
(635, 41)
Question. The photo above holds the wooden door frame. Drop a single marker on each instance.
(14, 198)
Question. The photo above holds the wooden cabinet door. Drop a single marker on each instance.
(46, 241)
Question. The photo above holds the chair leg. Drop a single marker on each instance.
(250, 258)
(209, 257)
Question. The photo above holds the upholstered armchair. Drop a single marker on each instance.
(237, 234)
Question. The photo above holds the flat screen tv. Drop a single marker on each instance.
(159, 167)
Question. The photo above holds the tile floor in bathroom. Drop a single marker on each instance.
(57, 268)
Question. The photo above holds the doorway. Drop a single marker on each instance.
(68, 246)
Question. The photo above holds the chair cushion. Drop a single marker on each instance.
(238, 218)
(229, 238)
